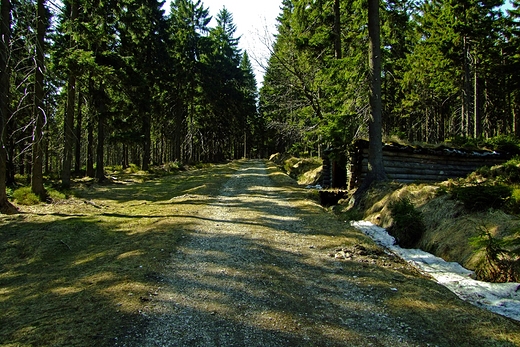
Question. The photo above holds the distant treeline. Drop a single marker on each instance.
(89, 83)
(450, 68)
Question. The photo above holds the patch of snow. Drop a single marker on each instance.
(485, 154)
(501, 298)
(473, 153)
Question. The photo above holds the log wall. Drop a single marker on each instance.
(411, 164)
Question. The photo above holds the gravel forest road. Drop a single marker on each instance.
(258, 269)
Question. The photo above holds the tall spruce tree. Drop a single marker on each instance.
(252, 129)
(222, 83)
(141, 28)
(39, 107)
(5, 47)
(376, 170)
(188, 26)
(68, 124)
(513, 65)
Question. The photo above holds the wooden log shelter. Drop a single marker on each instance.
(409, 164)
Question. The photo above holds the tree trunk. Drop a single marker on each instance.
(100, 169)
(90, 129)
(177, 142)
(376, 170)
(11, 166)
(5, 33)
(68, 128)
(124, 159)
(37, 160)
(77, 147)
(466, 90)
(146, 140)
(90, 150)
(68, 124)
(476, 111)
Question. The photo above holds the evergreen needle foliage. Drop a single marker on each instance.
(502, 257)
(407, 226)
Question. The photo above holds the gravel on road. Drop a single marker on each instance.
(256, 269)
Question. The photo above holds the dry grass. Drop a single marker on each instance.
(78, 272)
(451, 232)
(306, 171)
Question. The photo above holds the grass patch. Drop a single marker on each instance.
(55, 195)
(79, 272)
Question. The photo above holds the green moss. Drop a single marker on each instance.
(24, 196)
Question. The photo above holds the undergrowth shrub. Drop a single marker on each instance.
(24, 196)
(501, 143)
(482, 197)
(469, 143)
(514, 202)
(504, 143)
(9, 192)
(502, 257)
(509, 171)
(408, 225)
(172, 166)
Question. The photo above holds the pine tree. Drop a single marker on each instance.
(222, 82)
(68, 125)
(103, 64)
(187, 25)
(376, 171)
(253, 126)
(5, 33)
(38, 108)
(512, 65)
(142, 28)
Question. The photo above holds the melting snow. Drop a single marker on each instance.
(501, 298)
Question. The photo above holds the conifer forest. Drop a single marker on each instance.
(87, 84)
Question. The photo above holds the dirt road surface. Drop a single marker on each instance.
(260, 266)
